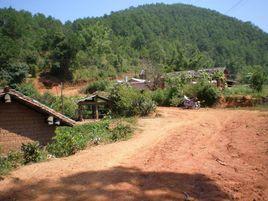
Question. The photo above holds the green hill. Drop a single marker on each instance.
(158, 36)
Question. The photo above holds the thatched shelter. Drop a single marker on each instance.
(95, 105)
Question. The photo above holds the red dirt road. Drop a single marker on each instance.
(207, 154)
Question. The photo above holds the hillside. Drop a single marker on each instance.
(160, 37)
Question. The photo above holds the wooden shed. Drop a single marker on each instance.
(24, 120)
(95, 106)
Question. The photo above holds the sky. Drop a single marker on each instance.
(255, 11)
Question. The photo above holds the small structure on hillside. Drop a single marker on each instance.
(197, 73)
(193, 75)
(94, 106)
(23, 120)
(141, 84)
(137, 83)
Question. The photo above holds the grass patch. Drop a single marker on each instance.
(242, 90)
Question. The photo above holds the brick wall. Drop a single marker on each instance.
(20, 124)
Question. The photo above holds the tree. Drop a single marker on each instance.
(257, 79)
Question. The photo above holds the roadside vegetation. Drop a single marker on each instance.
(68, 141)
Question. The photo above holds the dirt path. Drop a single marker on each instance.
(182, 155)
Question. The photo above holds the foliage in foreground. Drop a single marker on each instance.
(32, 152)
(9, 162)
(29, 153)
(67, 141)
(70, 140)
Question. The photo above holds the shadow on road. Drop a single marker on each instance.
(120, 183)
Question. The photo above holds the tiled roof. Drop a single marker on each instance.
(37, 106)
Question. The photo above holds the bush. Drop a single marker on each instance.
(100, 85)
(9, 162)
(161, 97)
(69, 104)
(257, 80)
(28, 89)
(238, 90)
(207, 94)
(128, 101)
(13, 73)
(121, 131)
(85, 74)
(66, 142)
(32, 152)
(172, 95)
(69, 140)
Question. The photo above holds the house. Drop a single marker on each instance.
(24, 120)
(94, 106)
(197, 73)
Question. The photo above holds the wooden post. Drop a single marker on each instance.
(61, 94)
(93, 111)
(80, 115)
(97, 111)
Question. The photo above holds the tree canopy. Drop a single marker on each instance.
(167, 37)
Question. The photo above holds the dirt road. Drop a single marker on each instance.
(209, 154)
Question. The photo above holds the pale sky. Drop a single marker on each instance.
(255, 11)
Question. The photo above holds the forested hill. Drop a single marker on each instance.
(159, 36)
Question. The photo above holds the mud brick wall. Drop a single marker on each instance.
(21, 124)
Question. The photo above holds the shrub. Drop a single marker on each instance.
(66, 142)
(207, 94)
(69, 106)
(85, 74)
(100, 85)
(13, 73)
(128, 101)
(121, 131)
(28, 89)
(9, 162)
(238, 90)
(32, 152)
(161, 97)
(257, 80)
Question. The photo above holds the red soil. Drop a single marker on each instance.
(207, 154)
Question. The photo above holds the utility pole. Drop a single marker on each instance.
(61, 94)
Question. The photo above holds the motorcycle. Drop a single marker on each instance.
(191, 103)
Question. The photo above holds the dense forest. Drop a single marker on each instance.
(159, 37)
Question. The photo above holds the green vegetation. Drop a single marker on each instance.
(128, 101)
(99, 85)
(178, 86)
(69, 103)
(69, 140)
(32, 153)
(207, 94)
(242, 90)
(9, 162)
(257, 80)
(162, 37)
